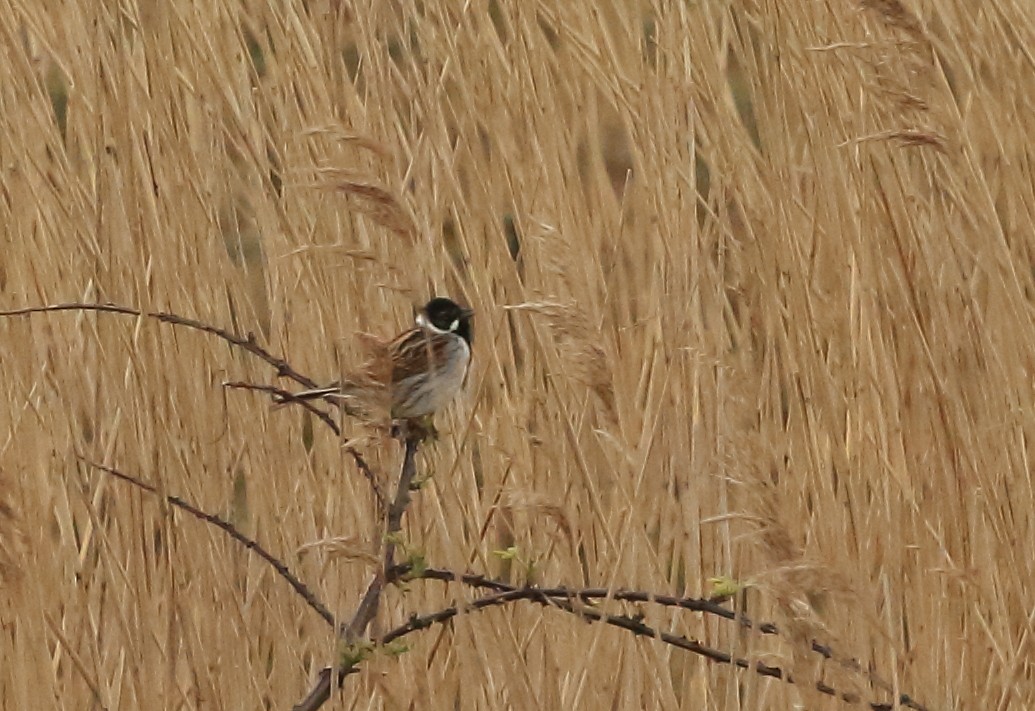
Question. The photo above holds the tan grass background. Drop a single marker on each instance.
(774, 264)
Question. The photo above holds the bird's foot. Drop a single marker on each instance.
(418, 428)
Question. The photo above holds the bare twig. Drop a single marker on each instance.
(368, 607)
(367, 472)
(247, 342)
(564, 602)
(286, 396)
(249, 543)
(370, 603)
(404, 571)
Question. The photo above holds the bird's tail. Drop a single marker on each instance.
(314, 394)
(369, 401)
(317, 393)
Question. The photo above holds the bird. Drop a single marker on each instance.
(416, 374)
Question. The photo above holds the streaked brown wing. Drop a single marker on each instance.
(413, 351)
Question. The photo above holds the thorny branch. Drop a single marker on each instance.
(249, 543)
(556, 598)
(371, 602)
(247, 343)
(403, 571)
(288, 398)
(590, 595)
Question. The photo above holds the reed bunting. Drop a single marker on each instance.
(418, 372)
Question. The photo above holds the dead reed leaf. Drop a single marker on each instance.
(12, 545)
(538, 506)
(903, 138)
(373, 199)
(897, 15)
(342, 548)
(339, 133)
(584, 359)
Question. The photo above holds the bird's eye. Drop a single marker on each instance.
(455, 325)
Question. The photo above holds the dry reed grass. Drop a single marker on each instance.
(788, 247)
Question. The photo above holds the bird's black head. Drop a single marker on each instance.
(446, 315)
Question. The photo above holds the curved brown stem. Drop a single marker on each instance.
(351, 632)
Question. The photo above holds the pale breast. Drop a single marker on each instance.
(427, 393)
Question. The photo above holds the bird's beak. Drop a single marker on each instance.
(467, 313)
